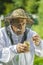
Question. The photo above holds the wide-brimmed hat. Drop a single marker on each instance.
(20, 13)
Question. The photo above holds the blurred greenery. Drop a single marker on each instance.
(6, 6)
(31, 6)
(38, 60)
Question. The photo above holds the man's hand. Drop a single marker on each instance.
(22, 48)
(36, 39)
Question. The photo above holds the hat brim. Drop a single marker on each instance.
(29, 20)
(16, 17)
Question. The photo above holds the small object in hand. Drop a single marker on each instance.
(28, 44)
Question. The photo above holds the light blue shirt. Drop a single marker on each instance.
(9, 54)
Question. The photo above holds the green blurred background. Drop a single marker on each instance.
(31, 6)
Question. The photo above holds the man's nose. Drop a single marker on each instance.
(20, 26)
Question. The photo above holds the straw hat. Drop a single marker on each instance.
(19, 13)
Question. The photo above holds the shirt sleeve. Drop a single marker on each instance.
(39, 48)
(6, 53)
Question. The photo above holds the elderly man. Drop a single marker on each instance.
(19, 44)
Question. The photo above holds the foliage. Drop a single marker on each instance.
(6, 6)
(32, 6)
(40, 11)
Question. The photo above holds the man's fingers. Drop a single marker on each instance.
(22, 48)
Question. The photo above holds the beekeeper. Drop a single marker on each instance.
(19, 44)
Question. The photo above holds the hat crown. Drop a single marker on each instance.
(19, 13)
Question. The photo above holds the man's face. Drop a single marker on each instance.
(19, 25)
